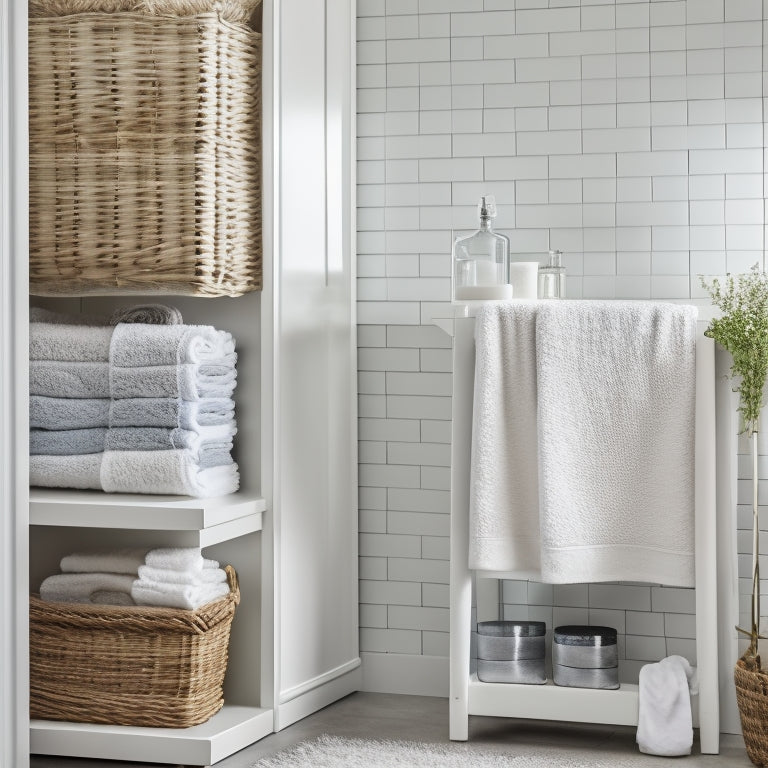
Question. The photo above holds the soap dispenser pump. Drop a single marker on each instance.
(481, 260)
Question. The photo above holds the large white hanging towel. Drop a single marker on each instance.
(614, 392)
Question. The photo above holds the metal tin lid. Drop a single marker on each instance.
(512, 628)
(577, 634)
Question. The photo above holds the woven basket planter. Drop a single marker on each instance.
(129, 665)
(145, 149)
(752, 699)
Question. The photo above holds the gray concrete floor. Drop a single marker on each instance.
(420, 718)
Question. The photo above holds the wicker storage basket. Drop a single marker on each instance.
(144, 147)
(129, 665)
(752, 699)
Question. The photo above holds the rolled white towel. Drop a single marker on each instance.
(185, 559)
(194, 578)
(187, 596)
(125, 560)
(86, 588)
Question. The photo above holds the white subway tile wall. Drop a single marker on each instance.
(628, 133)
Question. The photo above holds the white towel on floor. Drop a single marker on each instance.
(664, 725)
(112, 561)
(189, 596)
(183, 559)
(504, 503)
(193, 578)
(87, 588)
(616, 385)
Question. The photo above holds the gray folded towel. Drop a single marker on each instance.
(82, 472)
(136, 345)
(124, 560)
(41, 315)
(152, 314)
(188, 381)
(211, 446)
(75, 343)
(65, 413)
(167, 412)
(57, 378)
(66, 442)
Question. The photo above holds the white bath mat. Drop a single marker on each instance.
(334, 752)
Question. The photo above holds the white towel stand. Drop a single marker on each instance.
(468, 696)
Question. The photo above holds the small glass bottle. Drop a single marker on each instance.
(552, 277)
(481, 260)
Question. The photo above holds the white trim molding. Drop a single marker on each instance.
(14, 492)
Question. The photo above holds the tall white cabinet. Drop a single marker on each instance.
(291, 531)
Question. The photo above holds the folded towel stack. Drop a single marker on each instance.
(179, 578)
(142, 405)
(173, 577)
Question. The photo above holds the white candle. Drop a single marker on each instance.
(524, 276)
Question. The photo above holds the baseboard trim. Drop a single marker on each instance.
(405, 673)
(318, 697)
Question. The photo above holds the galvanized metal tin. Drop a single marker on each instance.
(511, 652)
(585, 657)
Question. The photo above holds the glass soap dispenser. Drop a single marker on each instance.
(552, 277)
(481, 260)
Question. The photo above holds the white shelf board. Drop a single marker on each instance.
(94, 509)
(233, 728)
(554, 702)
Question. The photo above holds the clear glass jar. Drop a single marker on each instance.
(552, 277)
(481, 260)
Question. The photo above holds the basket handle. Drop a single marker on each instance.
(234, 584)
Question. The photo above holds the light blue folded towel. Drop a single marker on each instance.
(58, 378)
(66, 442)
(66, 413)
(166, 412)
(138, 345)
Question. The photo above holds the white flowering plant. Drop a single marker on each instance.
(742, 329)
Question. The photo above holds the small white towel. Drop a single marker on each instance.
(81, 471)
(504, 501)
(113, 561)
(188, 596)
(87, 588)
(183, 559)
(193, 578)
(664, 725)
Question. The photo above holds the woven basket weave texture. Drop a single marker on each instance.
(144, 149)
(752, 700)
(132, 665)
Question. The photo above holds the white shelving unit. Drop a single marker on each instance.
(291, 530)
(468, 696)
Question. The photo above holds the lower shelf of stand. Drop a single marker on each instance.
(230, 730)
(554, 702)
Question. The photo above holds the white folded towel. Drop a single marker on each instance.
(504, 501)
(207, 575)
(126, 560)
(184, 559)
(189, 596)
(664, 725)
(87, 588)
(79, 471)
(175, 472)
(616, 387)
